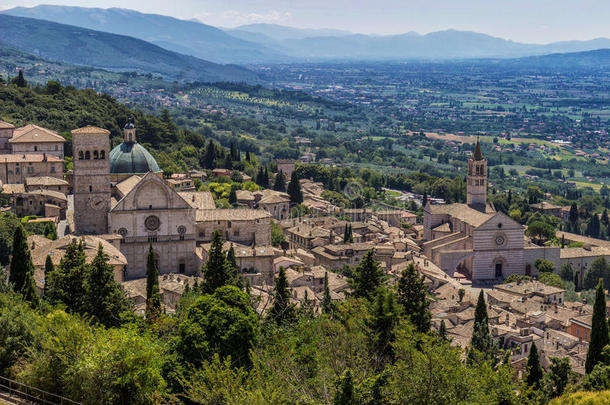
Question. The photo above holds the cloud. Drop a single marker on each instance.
(240, 18)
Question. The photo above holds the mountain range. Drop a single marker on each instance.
(271, 43)
(80, 46)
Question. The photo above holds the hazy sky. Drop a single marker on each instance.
(538, 21)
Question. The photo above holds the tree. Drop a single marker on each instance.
(21, 261)
(573, 216)
(567, 272)
(481, 341)
(294, 189)
(599, 329)
(384, 318)
(327, 304)
(224, 323)
(345, 389)
(153, 296)
(599, 269)
(103, 298)
(233, 197)
(442, 331)
(20, 81)
(412, 297)
(540, 231)
(559, 375)
(282, 309)
(367, 276)
(534, 370)
(65, 283)
(593, 226)
(217, 272)
(461, 293)
(544, 265)
(49, 267)
(348, 234)
(280, 182)
(50, 232)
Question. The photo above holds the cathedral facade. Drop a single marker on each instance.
(472, 240)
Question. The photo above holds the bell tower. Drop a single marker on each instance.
(90, 151)
(476, 186)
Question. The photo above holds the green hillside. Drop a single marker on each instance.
(65, 43)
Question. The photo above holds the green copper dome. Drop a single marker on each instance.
(132, 158)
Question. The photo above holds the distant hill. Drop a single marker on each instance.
(270, 43)
(598, 59)
(65, 43)
(188, 37)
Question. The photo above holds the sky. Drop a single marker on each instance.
(532, 21)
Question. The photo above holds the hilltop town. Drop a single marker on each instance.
(121, 200)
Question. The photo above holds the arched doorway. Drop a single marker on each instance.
(499, 267)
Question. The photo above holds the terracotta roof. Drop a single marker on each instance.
(20, 158)
(49, 193)
(45, 181)
(244, 195)
(13, 189)
(201, 200)
(443, 227)
(593, 251)
(275, 198)
(6, 125)
(35, 134)
(89, 129)
(462, 212)
(128, 184)
(231, 215)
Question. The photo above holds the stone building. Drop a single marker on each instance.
(275, 203)
(472, 240)
(47, 183)
(14, 169)
(90, 147)
(32, 139)
(245, 226)
(154, 213)
(6, 133)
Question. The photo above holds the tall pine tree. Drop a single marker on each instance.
(367, 277)
(153, 296)
(217, 271)
(65, 284)
(280, 182)
(327, 304)
(481, 340)
(282, 309)
(21, 260)
(49, 267)
(103, 299)
(382, 322)
(294, 189)
(412, 298)
(534, 371)
(599, 329)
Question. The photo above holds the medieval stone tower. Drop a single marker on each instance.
(476, 186)
(90, 148)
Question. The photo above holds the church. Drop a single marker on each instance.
(122, 192)
(472, 240)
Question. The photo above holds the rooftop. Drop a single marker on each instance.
(35, 134)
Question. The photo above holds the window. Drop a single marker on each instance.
(228, 224)
(80, 155)
(103, 155)
(181, 268)
(152, 238)
(90, 188)
(35, 148)
(236, 232)
(16, 170)
(201, 234)
(52, 169)
(181, 237)
(96, 155)
(87, 155)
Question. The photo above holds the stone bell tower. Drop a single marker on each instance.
(476, 187)
(90, 151)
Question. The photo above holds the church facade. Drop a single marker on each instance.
(472, 240)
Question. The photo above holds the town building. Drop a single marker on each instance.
(14, 169)
(32, 139)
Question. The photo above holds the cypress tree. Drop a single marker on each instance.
(260, 177)
(599, 329)
(281, 310)
(21, 260)
(327, 304)
(346, 234)
(217, 272)
(153, 296)
(442, 331)
(412, 298)
(367, 277)
(20, 80)
(50, 232)
(104, 299)
(534, 371)
(481, 338)
(294, 189)
(573, 216)
(65, 284)
(345, 389)
(280, 182)
(233, 197)
(266, 178)
(49, 267)
(383, 320)
(29, 290)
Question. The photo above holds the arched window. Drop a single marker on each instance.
(87, 155)
(80, 155)
(96, 155)
(35, 148)
(103, 154)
